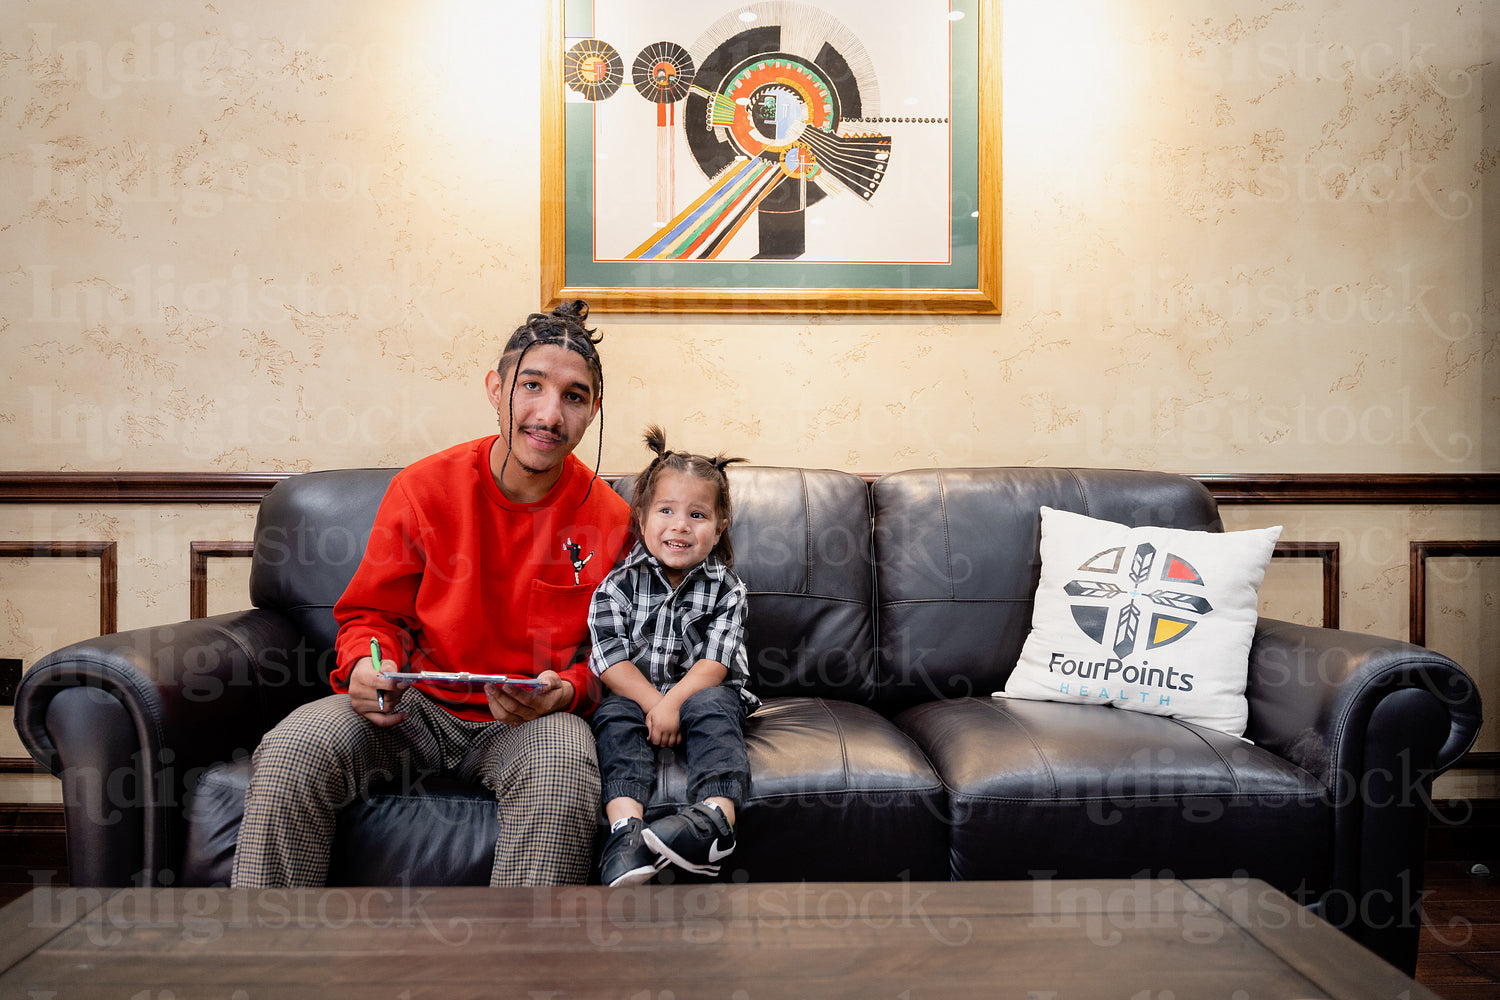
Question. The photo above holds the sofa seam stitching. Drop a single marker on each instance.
(843, 743)
(810, 597)
(807, 521)
(1083, 496)
(1051, 774)
(1173, 797)
(956, 600)
(947, 540)
(1228, 768)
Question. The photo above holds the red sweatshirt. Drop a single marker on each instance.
(457, 577)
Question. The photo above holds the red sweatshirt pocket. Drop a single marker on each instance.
(557, 617)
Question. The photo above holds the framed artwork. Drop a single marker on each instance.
(782, 156)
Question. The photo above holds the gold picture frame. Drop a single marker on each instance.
(967, 283)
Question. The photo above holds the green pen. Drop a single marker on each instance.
(375, 655)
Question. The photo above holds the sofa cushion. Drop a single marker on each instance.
(1041, 789)
(836, 793)
(310, 535)
(1144, 619)
(956, 559)
(214, 812)
(442, 833)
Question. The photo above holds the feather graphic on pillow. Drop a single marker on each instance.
(1140, 565)
(1130, 618)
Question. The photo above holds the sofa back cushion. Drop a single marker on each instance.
(802, 545)
(957, 562)
(310, 535)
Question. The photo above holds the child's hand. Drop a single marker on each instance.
(661, 724)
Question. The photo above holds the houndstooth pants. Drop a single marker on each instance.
(324, 755)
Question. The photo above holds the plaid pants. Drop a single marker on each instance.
(324, 755)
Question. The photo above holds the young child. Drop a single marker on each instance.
(668, 627)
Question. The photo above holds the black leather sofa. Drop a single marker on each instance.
(882, 616)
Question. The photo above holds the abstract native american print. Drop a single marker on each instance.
(1129, 599)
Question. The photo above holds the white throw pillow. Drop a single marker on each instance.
(1154, 620)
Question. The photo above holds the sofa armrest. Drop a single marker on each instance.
(1314, 692)
(129, 721)
(1375, 720)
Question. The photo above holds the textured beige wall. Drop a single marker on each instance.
(271, 235)
(264, 235)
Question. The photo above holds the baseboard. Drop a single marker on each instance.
(33, 848)
(1465, 830)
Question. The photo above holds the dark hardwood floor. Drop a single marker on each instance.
(1460, 950)
(1460, 947)
(1459, 957)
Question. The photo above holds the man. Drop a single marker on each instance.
(482, 559)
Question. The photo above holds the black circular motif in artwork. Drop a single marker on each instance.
(663, 72)
(733, 64)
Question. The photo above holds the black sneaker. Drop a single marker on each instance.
(695, 839)
(627, 860)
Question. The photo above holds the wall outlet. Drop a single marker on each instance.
(10, 679)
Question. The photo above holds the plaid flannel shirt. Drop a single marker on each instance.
(635, 615)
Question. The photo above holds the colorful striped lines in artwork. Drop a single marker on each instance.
(703, 229)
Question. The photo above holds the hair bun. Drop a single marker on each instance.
(576, 308)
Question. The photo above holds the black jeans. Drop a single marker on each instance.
(712, 723)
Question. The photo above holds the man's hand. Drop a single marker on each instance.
(514, 706)
(365, 689)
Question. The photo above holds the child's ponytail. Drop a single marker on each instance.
(656, 440)
(719, 461)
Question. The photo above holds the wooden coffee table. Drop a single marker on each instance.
(1224, 939)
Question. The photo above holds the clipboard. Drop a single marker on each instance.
(461, 678)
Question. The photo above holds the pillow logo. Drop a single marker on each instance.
(1172, 613)
(1147, 619)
